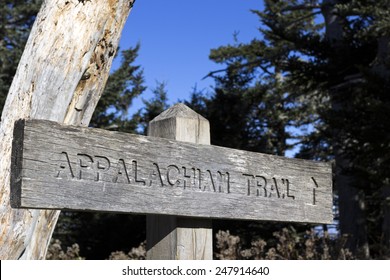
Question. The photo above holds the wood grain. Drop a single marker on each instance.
(172, 237)
(68, 167)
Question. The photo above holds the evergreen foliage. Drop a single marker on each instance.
(317, 76)
(153, 107)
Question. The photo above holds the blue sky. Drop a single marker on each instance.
(176, 37)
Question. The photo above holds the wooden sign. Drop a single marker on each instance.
(66, 167)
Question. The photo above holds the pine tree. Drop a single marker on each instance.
(325, 64)
(153, 107)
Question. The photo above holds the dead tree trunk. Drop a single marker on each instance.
(60, 77)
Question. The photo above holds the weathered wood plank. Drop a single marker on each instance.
(171, 237)
(68, 167)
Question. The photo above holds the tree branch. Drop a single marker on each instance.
(211, 73)
(303, 18)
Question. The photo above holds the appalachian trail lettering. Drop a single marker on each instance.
(121, 171)
(67, 167)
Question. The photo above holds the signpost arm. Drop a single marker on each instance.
(171, 237)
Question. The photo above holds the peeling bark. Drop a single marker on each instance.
(61, 76)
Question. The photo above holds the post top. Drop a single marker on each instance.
(179, 110)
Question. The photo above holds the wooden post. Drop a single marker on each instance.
(170, 237)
